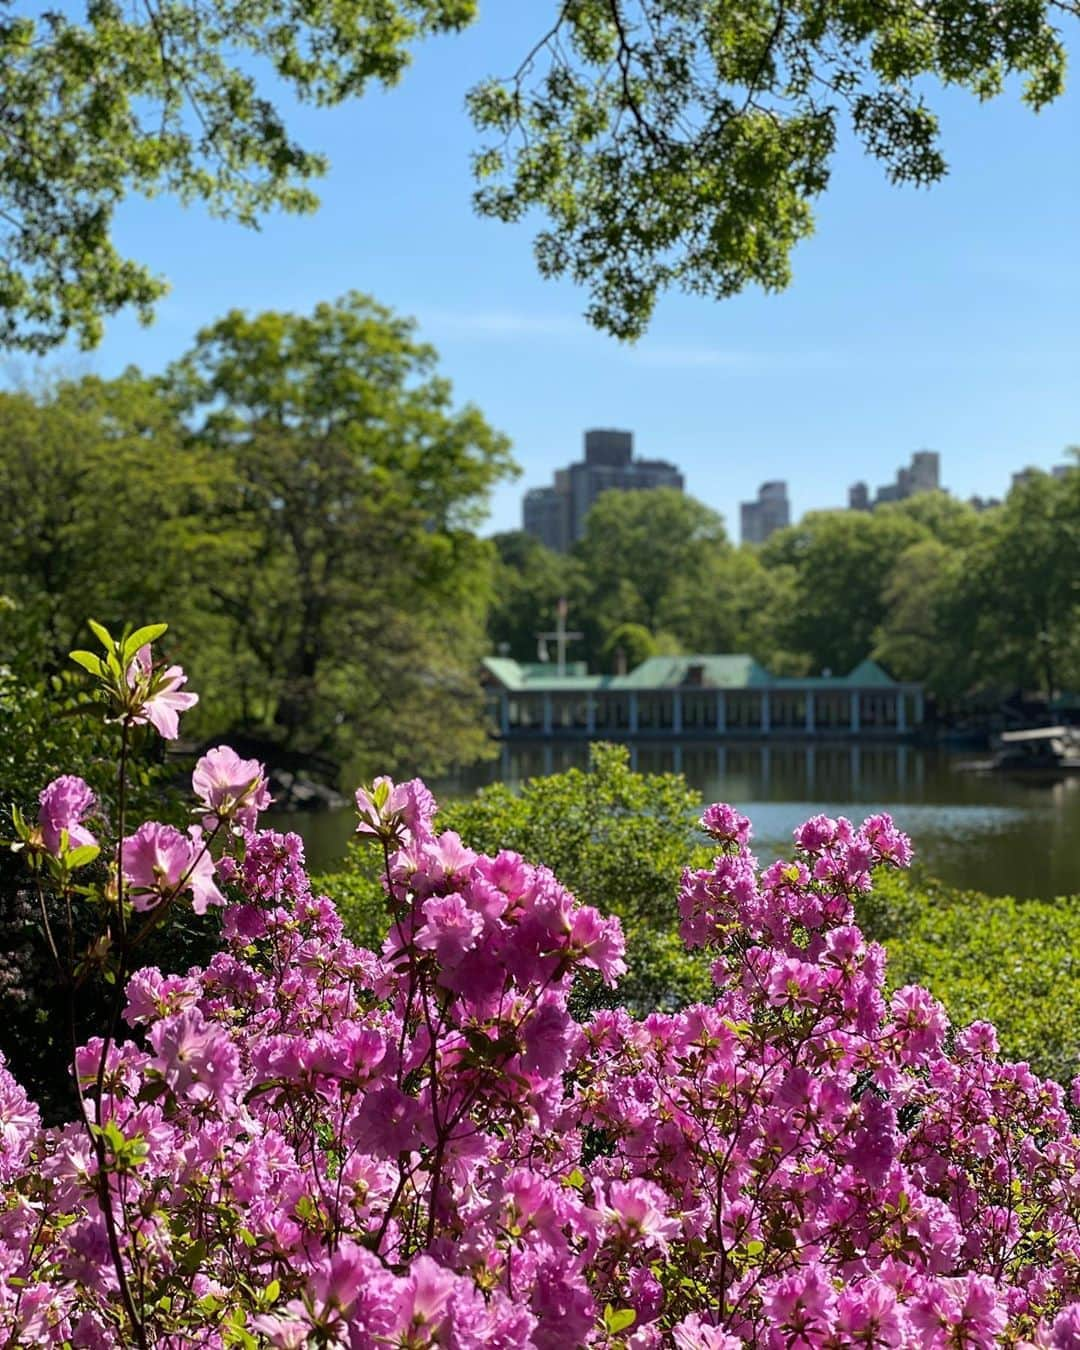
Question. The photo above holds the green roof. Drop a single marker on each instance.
(708, 672)
(732, 671)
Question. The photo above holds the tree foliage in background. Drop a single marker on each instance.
(300, 495)
(667, 142)
(963, 601)
(636, 544)
(362, 597)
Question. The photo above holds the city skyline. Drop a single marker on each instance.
(555, 513)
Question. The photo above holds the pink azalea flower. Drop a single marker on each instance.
(63, 804)
(230, 788)
(162, 708)
(197, 1058)
(160, 861)
(450, 929)
(726, 824)
(636, 1208)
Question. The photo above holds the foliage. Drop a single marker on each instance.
(1022, 586)
(635, 543)
(668, 143)
(301, 495)
(842, 561)
(965, 602)
(683, 144)
(1014, 962)
(528, 582)
(305, 1143)
(165, 98)
(363, 593)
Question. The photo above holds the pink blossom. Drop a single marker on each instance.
(636, 1210)
(163, 707)
(450, 928)
(230, 788)
(63, 805)
(160, 861)
(197, 1058)
(726, 824)
(600, 943)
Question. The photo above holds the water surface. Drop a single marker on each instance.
(991, 832)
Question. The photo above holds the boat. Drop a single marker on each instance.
(1038, 748)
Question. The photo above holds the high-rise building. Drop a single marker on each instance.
(858, 497)
(771, 512)
(921, 475)
(556, 515)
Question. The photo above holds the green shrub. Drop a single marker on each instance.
(1015, 963)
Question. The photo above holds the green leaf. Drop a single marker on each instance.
(618, 1319)
(141, 638)
(89, 662)
(102, 634)
(81, 856)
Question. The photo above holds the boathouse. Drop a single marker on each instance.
(698, 697)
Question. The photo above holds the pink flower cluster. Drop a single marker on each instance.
(315, 1144)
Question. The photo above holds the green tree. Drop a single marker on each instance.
(107, 510)
(164, 97)
(842, 561)
(363, 595)
(529, 581)
(1022, 582)
(736, 605)
(639, 548)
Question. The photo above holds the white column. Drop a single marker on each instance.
(547, 714)
(721, 711)
(633, 712)
(854, 696)
(766, 723)
(504, 713)
(810, 724)
(590, 714)
(918, 706)
(676, 713)
(901, 712)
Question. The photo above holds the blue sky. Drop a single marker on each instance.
(947, 319)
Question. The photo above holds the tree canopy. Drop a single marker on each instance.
(667, 142)
(960, 600)
(300, 496)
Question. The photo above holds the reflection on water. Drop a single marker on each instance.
(990, 832)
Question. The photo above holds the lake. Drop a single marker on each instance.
(991, 832)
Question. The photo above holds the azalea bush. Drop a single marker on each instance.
(309, 1143)
(617, 838)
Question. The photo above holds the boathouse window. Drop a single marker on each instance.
(743, 711)
(612, 712)
(527, 710)
(699, 710)
(654, 712)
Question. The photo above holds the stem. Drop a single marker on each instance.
(96, 1141)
